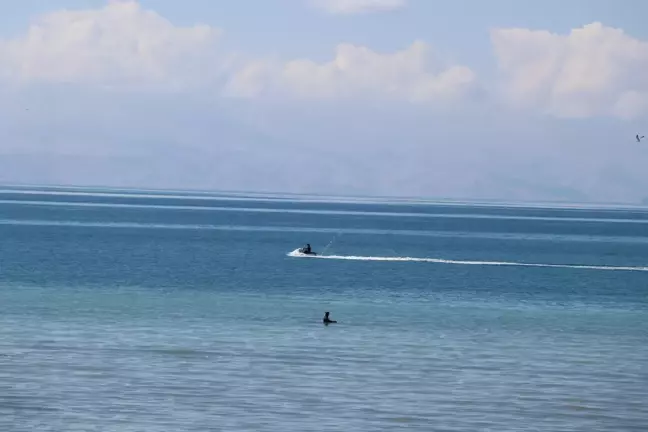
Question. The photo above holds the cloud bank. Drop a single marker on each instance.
(593, 71)
(121, 45)
(118, 45)
(356, 71)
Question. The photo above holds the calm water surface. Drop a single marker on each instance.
(172, 312)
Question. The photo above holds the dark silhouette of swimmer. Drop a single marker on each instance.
(326, 320)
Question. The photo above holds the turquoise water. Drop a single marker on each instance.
(156, 311)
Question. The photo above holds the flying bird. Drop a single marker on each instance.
(639, 138)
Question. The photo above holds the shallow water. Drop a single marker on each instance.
(153, 315)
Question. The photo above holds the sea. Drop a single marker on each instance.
(125, 310)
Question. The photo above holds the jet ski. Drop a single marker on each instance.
(306, 250)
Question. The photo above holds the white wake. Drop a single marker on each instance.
(298, 254)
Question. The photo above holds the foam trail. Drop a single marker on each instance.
(297, 254)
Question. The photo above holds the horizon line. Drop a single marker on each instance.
(326, 198)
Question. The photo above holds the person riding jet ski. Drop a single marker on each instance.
(307, 250)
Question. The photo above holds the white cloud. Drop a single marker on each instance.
(350, 7)
(356, 71)
(123, 45)
(594, 70)
(118, 44)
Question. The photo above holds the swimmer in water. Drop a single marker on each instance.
(326, 320)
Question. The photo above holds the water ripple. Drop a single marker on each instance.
(135, 379)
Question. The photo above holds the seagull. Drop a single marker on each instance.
(639, 138)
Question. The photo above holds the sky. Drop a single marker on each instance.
(505, 99)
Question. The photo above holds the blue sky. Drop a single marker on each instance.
(461, 99)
